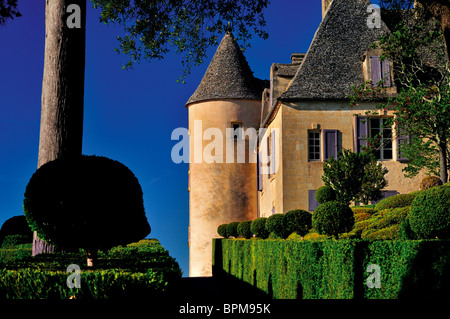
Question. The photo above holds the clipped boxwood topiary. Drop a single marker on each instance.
(333, 218)
(222, 230)
(430, 181)
(274, 225)
(232, 230)
(258, 227)
(429, 216)
(325, 194)
(298, 221)
(16, 225)
(244, 229)
(401, 200)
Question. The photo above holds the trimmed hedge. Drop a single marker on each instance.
(325, 194)
(244, 229)
(274, 226)
(298, 221)
(400, 200)
(337, 269)
(258, 227)
(429, 182)
(232, 229)
(222, 230)
(333, 218)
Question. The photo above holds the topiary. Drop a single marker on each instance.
(87, 202)
(333, 218)
(325, 194)
(298, 221)
(16, 225)
(430, 181)
(244, 229)
(274, 225)
(232, 230)
(258, 227)
(222, 230)
(429, 216)
(400, 200)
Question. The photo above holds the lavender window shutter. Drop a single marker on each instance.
(272, 153)
(330, 143)
(361, 132)
(386, 73)
(375, 68)
(313, 204)
(259, 172)
(386, 194)
(401, 139)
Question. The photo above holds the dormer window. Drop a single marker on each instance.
(380, 71)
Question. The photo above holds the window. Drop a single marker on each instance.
(382, 137)
(314, 145)
(313, 204)
(330, 142)
(380, 70)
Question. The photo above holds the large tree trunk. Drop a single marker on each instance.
(443, 164)
(61, 129)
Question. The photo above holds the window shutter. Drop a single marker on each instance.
(259, 172)
(375, 70)
(313, 204)
(386, 73)
(330, 144)
(386, 194)
(272, 153)
(401, 139)
(361, 132)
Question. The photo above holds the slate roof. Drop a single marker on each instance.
(332, 64)
(228, 76)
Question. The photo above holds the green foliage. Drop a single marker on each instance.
(298, 221)
(354, 176)
(13, 240)
(274, 225)
(400, 200)
(232, 229)
(333, 218)
(16, 225)
(152, 28)
(8, 10)
(385, 224)
(430, 181)
(244, 229)
(89, 202)
(258, 228)
(325, 194)
(222, 230)
(430, 213)
(133, 271)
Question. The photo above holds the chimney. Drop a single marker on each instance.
(325, 5)
(297, 57)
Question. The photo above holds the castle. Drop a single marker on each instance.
(305, 115)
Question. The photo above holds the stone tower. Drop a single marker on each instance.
(221, 191)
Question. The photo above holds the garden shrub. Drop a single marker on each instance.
(222, 230)
(429, 181)
(429, 216)
(325, 194)
(16, 225)
(232, 229)
(406, 233)
(13, 240)
(383, 220)
(363, 209)
(258, 227)
(333, 218)
(244, 229)
(298, 221)
(274, 226)
(400, 200)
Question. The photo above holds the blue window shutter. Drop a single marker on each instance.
(375, 69)
(361, 132)
(385, 66)
(330, 144)
(313, 204)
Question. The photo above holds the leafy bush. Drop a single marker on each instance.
(430, 213)
(363, 209)
(232, 229)
(258, 227)
(13, 240)
(429, 181)
(244, 229)
(406, 233)
(298, 221)
(222, 230)
(400, 200)
(333, 218)
(88, 202)
(325, 194)
(16, 225)
(274, 225)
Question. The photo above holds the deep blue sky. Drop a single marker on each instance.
(129, 115)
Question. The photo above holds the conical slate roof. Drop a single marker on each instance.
(228, 76)
(333, 62)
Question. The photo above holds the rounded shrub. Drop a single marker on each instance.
(298, 221)
(401, 200)
(232, 229)
(244, 229)
(333, 218)
(222, 230)
(258, 227)
(429, 216)
(16, 225)
(325, 194)
(430, 181)
(274, 225)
